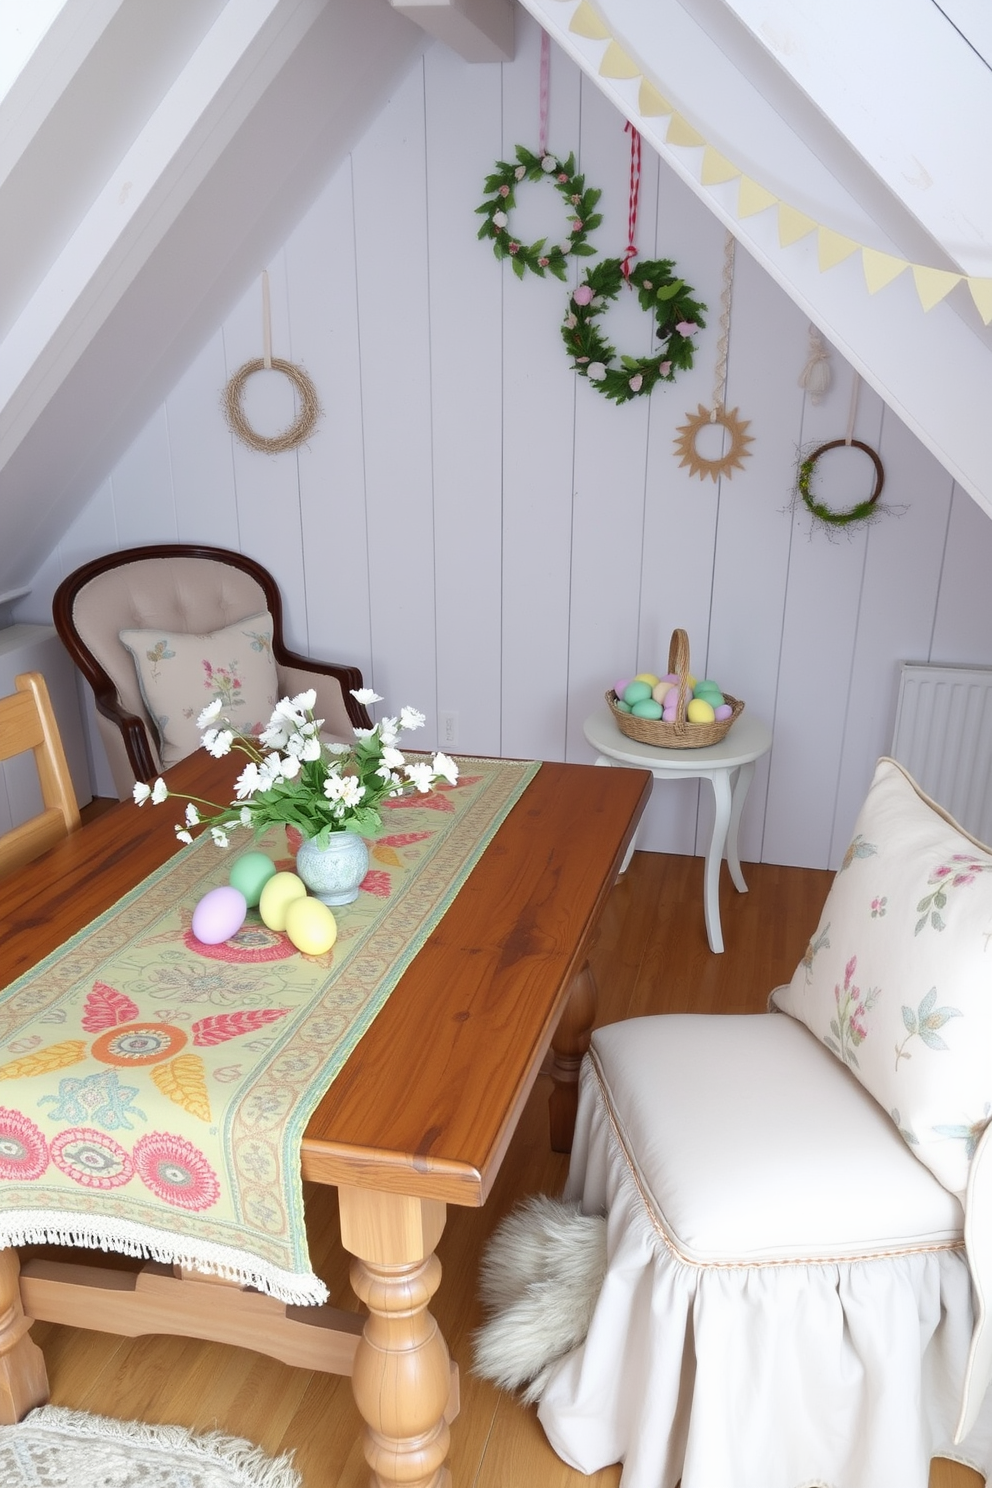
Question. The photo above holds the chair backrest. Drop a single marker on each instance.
(27, 721)
(179, 587)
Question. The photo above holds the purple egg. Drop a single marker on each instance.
(621, 687)
(219, 915)
(670, 715)
(724, 711)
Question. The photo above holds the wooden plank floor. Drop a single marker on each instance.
(652, 956)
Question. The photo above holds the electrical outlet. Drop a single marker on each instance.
(448, 727)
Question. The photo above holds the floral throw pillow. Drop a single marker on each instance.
(897, 979)
(180, 674)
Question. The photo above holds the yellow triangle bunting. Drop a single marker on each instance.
(880, 268)
(981, 293)
(681, 132)
(585, 22)
(832, 248)
(933, 284)
(753, 198)
(792, 225)
(650, 102)
(616, 63)
(716, 168)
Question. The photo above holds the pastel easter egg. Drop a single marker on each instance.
(662, 690)
(250, 874)
(706, 685)
(219, 915)
(276, 897)
(621, 687)
(669, 677)
(310, 926)
(636, 692)
(622, 706)
(670, 714)
(647, 708)
(724, 711)
(712, 696)
(699, 711)
(648, 677)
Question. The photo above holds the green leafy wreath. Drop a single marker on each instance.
(862, 511)
(500, 201)
(677, 314)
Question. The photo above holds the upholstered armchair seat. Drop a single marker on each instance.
(186, 589)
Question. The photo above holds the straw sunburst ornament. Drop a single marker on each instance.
(685, 445)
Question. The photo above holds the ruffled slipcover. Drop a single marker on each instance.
(787, 1301)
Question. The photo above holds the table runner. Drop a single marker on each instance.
(154, 1090)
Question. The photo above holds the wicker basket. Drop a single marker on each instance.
(680, 734)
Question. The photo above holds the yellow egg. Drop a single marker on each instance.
(700, 711)
(310, 926)
(277, 895)
(648, 677)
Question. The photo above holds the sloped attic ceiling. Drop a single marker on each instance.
(151, 157)
(844, 145)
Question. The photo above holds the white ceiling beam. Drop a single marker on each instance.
(478, 30)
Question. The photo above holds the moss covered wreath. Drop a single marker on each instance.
(677, 318)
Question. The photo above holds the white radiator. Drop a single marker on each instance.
(943, 737)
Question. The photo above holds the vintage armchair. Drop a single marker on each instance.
(797, 1250)
(167, 599)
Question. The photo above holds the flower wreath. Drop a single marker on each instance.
(677, 314)
(862, 511)
(500, 201)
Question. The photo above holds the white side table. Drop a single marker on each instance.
(728, 766)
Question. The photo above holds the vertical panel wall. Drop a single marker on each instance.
(487, 536)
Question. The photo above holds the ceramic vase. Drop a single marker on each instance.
(334, 873)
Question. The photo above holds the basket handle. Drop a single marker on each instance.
(678, 665)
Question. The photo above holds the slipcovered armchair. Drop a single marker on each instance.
(158, 631)
(796, 1255)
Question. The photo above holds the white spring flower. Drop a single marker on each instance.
(421, 775)
(388, 730)
(311, 749)
(182, 834)
(248, 781)
(412, 718)
(216, 742)
(275, 735)
(141, 793)
(246, 817)
(335, 746)
(334, 787)
(365, 696)
(269, 771)
(353, 792)
(210, 712)
(220, 836)
(392, 758)
(289, 767)
(192, 816)
(160, 792)
(304, 701)
(361, 733)
(446, 768)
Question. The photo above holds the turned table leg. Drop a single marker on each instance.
(23, 1377)
(402, 1374)
(569, 1044)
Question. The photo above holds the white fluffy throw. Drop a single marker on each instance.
(540, 1277)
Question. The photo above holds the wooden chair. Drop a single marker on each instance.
(186, 588)
(27, 721)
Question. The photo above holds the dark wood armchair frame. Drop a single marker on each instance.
(133, 728)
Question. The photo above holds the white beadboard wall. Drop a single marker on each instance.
(482, 532)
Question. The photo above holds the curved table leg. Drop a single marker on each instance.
(23, 1377)
(742, 785)
(720, 781)
(568, 1044)
(402, 1374)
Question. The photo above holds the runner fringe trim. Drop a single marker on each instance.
(124, 1237)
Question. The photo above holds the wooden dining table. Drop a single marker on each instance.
(419, 1117)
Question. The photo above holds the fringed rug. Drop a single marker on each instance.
(58, 1448)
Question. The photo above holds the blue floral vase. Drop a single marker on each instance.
(334, 873)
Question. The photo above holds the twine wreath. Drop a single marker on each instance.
(309, 404)
(688, 433)
(677, 318)
(500, 189)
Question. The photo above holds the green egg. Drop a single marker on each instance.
(710, 693)
(646, 708)
(636, 692)
(622, 706)
(250, 874)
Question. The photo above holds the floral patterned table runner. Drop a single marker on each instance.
(154, 1090)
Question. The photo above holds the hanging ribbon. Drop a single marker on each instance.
(542, 148)
(633, 196)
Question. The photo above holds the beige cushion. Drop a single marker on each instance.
(896, 979)
(180, 674)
